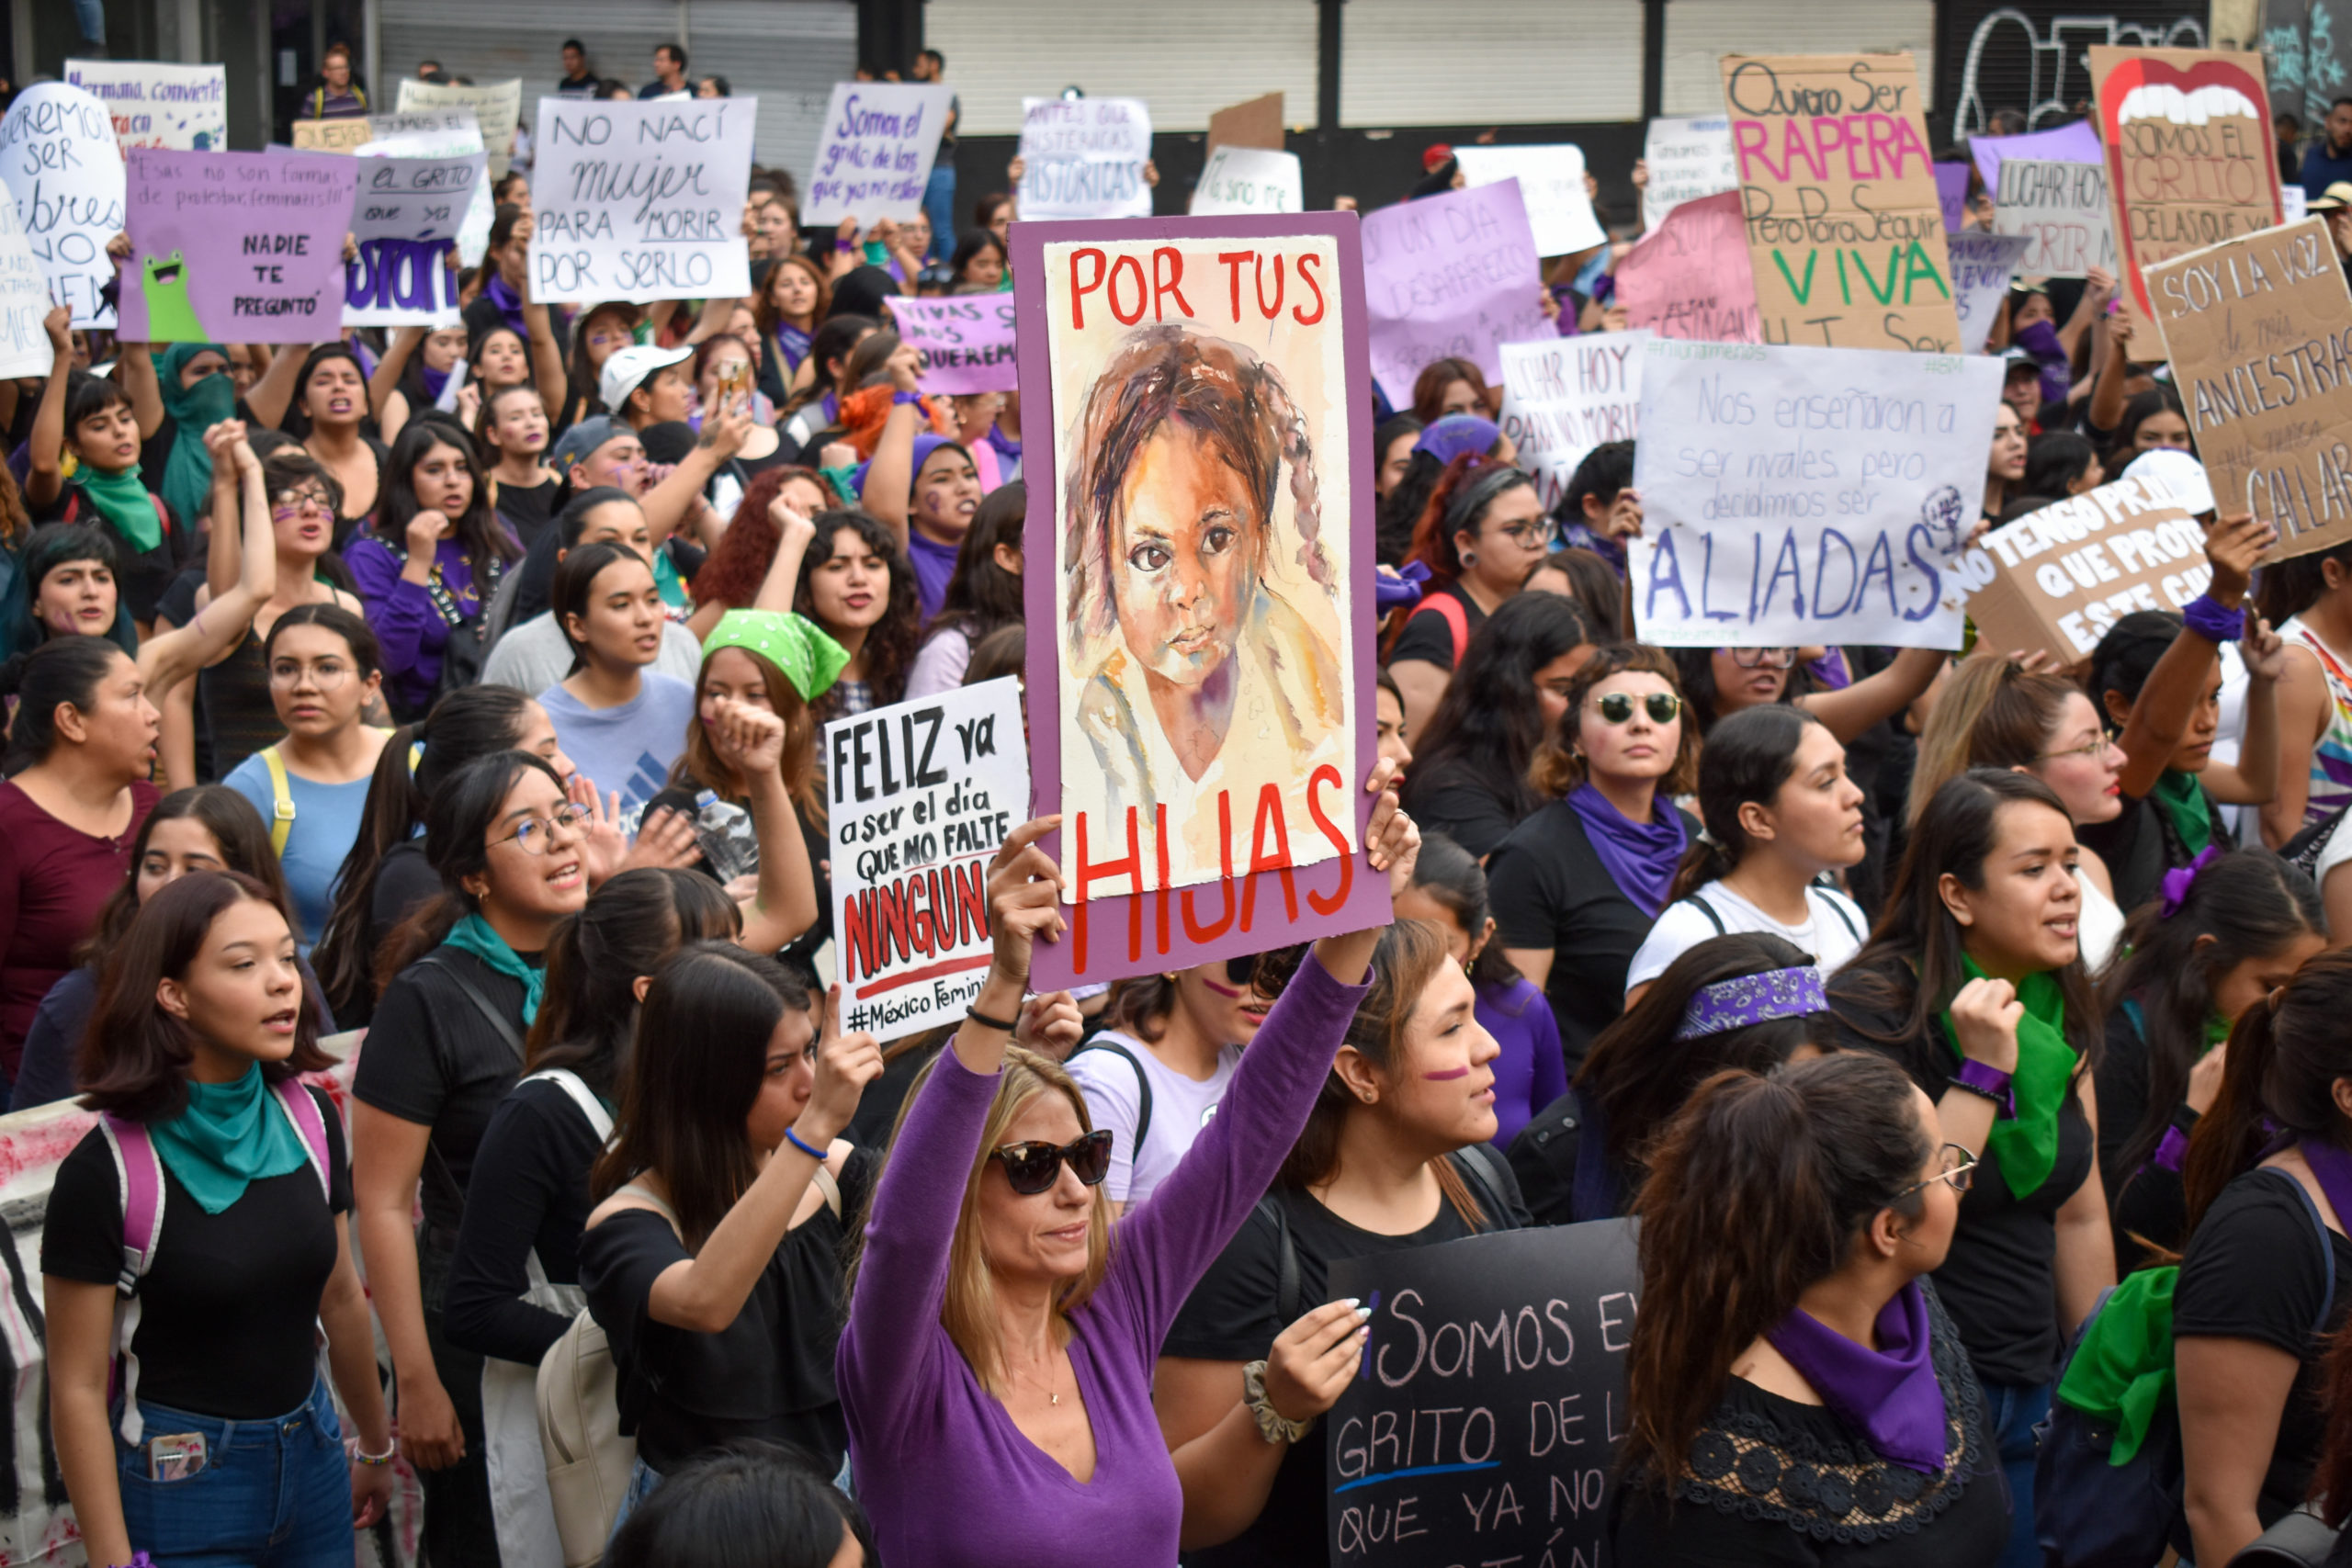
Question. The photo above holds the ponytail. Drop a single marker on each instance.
(388, 818)
(2230, 1137)
(2278, 1081)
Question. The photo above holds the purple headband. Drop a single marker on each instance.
(2178, 880)
(1753, 999)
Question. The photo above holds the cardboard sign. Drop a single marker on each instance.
(497, 107)
(1551, 181)
(1565, 397)
(1981, 265)
(1239, 180)
(2059, 576)
(1686, 159)
(1482, 1422)
(1084, 158)
(640, 201)
(181, 107)
(1844, 226)
(2073, 143)
(1453, 274)
(1226, 352)
(24, 301)
(923, 793)
(2063, 210)
(965, 340)
(2260, 334)
(236, 247)
(1793, 496)
(1688, 277)
(344, 135)
(65, 170)
(405, 223)
(1257, 123)
(874, 155)
(2190, 160)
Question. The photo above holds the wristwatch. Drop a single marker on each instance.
(1271, 1423)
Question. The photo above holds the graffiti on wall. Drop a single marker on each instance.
(2306, 55)
(2042, 68)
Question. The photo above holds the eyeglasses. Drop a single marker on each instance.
(537, 835)
(1764, 658)
(1033, 1167)
(1530, 533)
(1617, 708)
(1960, 1170)
(326, 677)
(300, 501)
(2089, 752)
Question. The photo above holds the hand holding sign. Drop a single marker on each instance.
(1025, 900)
(1313, 1359)
(845, 1064)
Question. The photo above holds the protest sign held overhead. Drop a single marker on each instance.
(497, 108)
(405, 223)
(1793, 496)
(922, 796)
(1981, 265)
(1453, 274)
(2073, 143)
(2058, 578)
(1686, 159)
(1256, 123)
(236, 247)
(59, 157)
(1084, 158)
(874, 155)
(24, 301)
(2191, 159)
(1239, 180)
(1215, 352)
(2259, 328)
(2063, 210)
(965, 340)
(640, 201)
(331, 135)
(1845, 229)
(1563, 397)
(154, 105)
(450, 132)
(1951, 195)
(1551, 181)
(1689, 278)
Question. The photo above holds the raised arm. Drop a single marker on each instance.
(45, 475)
(169, 658)
(1846, 713)
(134, 372)
(750, 741)
(2160, 715)
(273, 392)
(2106, 393)
(668, 505)
(2097, 292)
(547, 355)
(2253, 779)
(224, 548)
(889, 491)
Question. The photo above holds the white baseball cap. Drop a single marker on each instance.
(628, 368)
(2178, 472)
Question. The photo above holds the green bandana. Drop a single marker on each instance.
(123, 500)
(2182, 800)
(2121, 1372)
(2027, 1142)
(230, 1134)
(810, 660)
(666, 580)
(475, 935)
(188, 471)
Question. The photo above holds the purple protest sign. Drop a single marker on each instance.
(965, 340)
(1689, 278)
(2073, 143)
(236, 247)
(1166, 363)
(1453, 274)
(1952, 192)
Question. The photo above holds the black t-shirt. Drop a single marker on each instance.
(879, 1107)
(768, 1374)
(1428, 637)
(530, 1193)
(434, 1059)
(228, 1305)
(2145, 1198)
(2132, 849)
(1549, 889)
(1477, 810)
(528, 509)
(2253, 1271)
(1234, 1314)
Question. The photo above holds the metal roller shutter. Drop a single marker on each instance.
(1573, 60)
(1699, 32)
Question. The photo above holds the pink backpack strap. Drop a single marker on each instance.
(301, 1108)
(139, 1182)
(1447, 608)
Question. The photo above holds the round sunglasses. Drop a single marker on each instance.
(1617, 708)
(1033, 1167)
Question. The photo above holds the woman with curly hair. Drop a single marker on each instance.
(860, 593)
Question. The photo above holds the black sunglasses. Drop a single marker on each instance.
(1617, 708)
(1242, 971)
(1033, 1167)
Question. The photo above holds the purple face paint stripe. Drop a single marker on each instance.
(1448, 1076)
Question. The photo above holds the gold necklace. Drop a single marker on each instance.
(1053, 1380)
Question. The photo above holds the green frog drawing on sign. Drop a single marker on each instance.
(171, 314)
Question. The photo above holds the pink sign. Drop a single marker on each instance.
(1450, 274)
(965, 341)
(236, 247)
(1689, 278)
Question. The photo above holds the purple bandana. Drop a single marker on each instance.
(1458, 434)
(510, 304)
(1753, 999)
(2334, 1168)
(792, 346)
(2178, 880)
(1890, 1397)
(1640, 857)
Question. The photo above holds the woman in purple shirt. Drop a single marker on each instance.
(996, 1371)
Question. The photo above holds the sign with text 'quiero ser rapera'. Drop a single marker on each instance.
(1795, 496)
(923, 794)
(1482, 1423)
(1845, 229)
(640, 201)
(2259, 328)
(2058, 578)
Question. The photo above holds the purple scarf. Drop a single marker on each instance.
(2334, 1168)
(1640, 857)
(1890, 1397)
(1006, 446)
(435, 381)
(509, 305)
(792, 344)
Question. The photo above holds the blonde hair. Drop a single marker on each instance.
(1990, 714)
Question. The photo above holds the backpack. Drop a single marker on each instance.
(1447, 608)
(139, 1182)
(2305, 850)
(2092, 1512)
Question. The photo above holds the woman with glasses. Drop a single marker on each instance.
(311, 787)
(1577, 887)
(445, 1046)
(1971, 983)
(622, 722)
(1482, 535)
(1796, 1392)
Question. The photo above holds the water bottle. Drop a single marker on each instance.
(729, 847)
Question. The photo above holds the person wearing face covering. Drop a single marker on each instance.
(185, 466)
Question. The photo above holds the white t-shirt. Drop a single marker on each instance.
(1179, 1109)
(1833, 931)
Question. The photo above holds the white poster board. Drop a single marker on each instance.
(184, 108)
(640, 201)
(1551, 181)
(1564, 396)
(1981, 265)
(497, 106)
(1249, 179)
(2063, 210)
(405, 223)
(874, 155)
(63, 166)
(1686, 159)
(438, 134)
(24, 301)
(1084, 158)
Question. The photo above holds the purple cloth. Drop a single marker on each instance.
(935, 564)
(1890, 1395)
(1577, 534)
(2334, 1168)
(409, 631)
(1532, 1072)
(1458, 434)
(791, 346)
(1640, 857)
(1006, 446)
(1830, 672)
(948, 1479)
(2040, 340)
(509, 304)
(434, 381)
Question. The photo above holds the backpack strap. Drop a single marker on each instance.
(1478, 1162)
(1707, 909)
(1143, 1088)
(1447, 608)
(576, 1089)
(645, 1195)
(1287, 1288)
(2326, 1248)
(1838, 907)
(281, 823)
(139, 1183)
(303, 1110)
(830, 1188)
(483, 1004)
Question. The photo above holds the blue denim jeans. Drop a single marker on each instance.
(2011, 1413)
(272, 1494)
(939, 205)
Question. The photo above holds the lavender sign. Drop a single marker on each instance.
(1453, 273)
(236, 247)
(965, 341)
(405, 224)
(875, 156)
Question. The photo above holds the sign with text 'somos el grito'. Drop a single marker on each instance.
(1200, 648)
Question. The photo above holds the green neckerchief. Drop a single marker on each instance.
(2182, 800)
(123, 500)
(2027, 1140)
(2121, 1372)
(230, 1133)
(475, 935)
